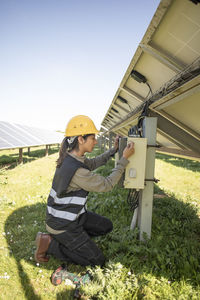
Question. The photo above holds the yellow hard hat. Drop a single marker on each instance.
(80, 125)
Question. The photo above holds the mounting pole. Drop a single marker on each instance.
(104, 143)
(146, 195)
(46, 150)
(100, 141)
(111, 135)
(20, 155)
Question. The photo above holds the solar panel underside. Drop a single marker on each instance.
(19, 136)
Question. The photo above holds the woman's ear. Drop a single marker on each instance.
(81, 140)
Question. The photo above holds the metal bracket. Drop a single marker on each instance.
(154, 146)
(154, 180)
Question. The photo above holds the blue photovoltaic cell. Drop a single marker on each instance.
(19, 136)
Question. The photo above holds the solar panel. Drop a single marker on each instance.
(163, 80)
(19, 136)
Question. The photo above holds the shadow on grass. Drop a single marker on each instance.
(175, 247)
(180, 162)
(11, 161)
(23, 225)
(173, 252)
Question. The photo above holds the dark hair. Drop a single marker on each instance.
(66, 146)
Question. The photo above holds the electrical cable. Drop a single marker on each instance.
(129, 106)
(149, 89)
(144, 110)
(133, 199)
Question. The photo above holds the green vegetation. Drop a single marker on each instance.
(165, 267)
(10, 158)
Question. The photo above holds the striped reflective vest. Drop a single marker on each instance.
(63, 208)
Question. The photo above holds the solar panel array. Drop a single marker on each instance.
(19, 136)
(163, 80)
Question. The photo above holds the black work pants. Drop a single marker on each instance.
(75, 245)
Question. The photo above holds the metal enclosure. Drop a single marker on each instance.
(135, 171)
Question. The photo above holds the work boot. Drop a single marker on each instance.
(61, 274)
(43, 241)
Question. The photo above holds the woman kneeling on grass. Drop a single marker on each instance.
(69, 224)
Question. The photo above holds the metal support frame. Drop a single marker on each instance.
(162, 57)
(133, 94)
(170, 139)
(106, 124)
(179, 124)
(179, 152)
(146, 195)
(124, 131)
(46, 150)
(167, 101)
(122, 108)
(100, 141)
(105, 143)
(183, 138)
(115, 115)
(111, 135)
(130, 119)
(20, 155)
(109, 123)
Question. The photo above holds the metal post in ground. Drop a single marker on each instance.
(46, 150)
(100, 140)
(104, 140)
(20, 155)
(146, 197)
(111, 135)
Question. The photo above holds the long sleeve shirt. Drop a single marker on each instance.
(93, 182)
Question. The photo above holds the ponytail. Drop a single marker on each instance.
(62, 152)
(68, 144)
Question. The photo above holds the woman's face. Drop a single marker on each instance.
(89, 143)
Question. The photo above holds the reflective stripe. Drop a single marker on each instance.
(67, 200)
(81, 212)
(64, 214)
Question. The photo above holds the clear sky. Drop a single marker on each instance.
(60, 58)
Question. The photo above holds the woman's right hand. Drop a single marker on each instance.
(129, 150)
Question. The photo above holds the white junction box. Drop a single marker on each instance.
(135, 171)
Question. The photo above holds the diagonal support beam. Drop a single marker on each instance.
(122, 108)
(133, 94)
(146, 195)
(184, 138)
(163, 58)
(179, 124)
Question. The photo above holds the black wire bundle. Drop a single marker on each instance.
(133, 199)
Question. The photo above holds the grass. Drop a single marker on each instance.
(165, 267)
(9, 158)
